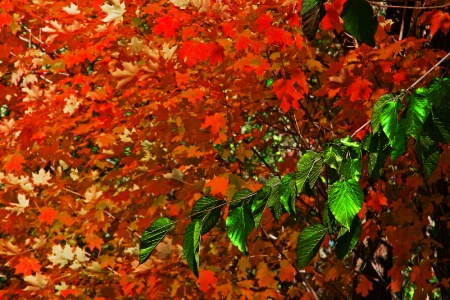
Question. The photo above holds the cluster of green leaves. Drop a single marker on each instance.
(423, 117)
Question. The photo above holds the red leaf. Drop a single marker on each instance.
(219, 185)
(193, 52)
(263, 23)
(47, 215)
(287, 271)
(359, 90)
(364, 286)
(167, 25)
(26, 265)
(206, 279)
(216, 122)
(375, 200)
(14, 162)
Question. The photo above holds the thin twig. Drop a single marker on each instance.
(265, 162)
(402, 26)
(408, 7)
(360, 128)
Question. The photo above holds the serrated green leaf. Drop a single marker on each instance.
(400, 140)
(333, 156)
(359, 21)
(239, 225)
(427, 147)
(417, 112)
(351, 169)
(259, 203)
(345, 200)
(328, 218)
(389, 119)
(377, 109)
(207, 210)
(347, 141)
(242, 197)
(191, 245)
(274, 202)
(379, 150)
(439, 91)
(308, 167)
(308, 243)
(348, 239)
(287, 193)
(152, 236)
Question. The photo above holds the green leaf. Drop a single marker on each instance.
(438, 91)
(152, 236)
(400, 140)
(333, 156)
(241, 197)
(312, 13)
(259, 203)
(359, 21)
(347, 141)
(389, 119)
(427, 147)
(240, 224)
(274, 202)
(328, 218)
(345, 199)
(348, 240)
(417, 112)
(287, 191)
(351, 169)
(191, 245)
(207, 210)
(309, 243)
(308, 167)
(377, 109)
(379, 151)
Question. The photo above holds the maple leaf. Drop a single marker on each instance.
(114, 12)
(216, 122)
(47, 215)
(375, 200)
(27, 265)
(42, 177)
(72, 9)
(181, 4)
(193, 52)
(206, 279)
(94, 241)
(266, 277)
(364, 286)
(14, 162)
(168, 52)
(359, 89)
(38, 281)
(92, 194)
(72, 103)
(19, 208)
(125, 75)
(167, 25)
(287, 271)
(175, 175)
(219, 185)
(61, 256)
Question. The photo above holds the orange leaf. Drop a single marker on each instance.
(94, 241)
(359, 89)
(216, 122)
(206, 279)
(364, 286)
(14, 162)
(287, 271)
(375, 200)
(26, 265)
(266, 277)
(47, 215)
(219, 185)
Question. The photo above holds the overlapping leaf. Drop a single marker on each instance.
(308, 243)
(345, 199)
(152, 236)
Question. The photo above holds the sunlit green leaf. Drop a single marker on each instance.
(191, 245)
(377, 109)
(308, 167)
(333, 156)
(240, 224)
(417, 112)
(152, 236)
(242, 197)
(389, 119)
(287, 193)
(351, 169)
(345, 199)
(274, 201)
(309, 242)
(259, 203)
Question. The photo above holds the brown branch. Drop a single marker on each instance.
(408, 7)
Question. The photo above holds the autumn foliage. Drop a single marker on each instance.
(118, 114)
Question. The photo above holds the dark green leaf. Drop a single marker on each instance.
(242, 197)
(389, 119)
(439, 92)
(427, 147)
(328, 218)
(377, 109)
(345, 199)
(274, 202)
(351, 169)
(417, 112)
(312, 13)
(348, 240)
(309, 243)
(308, 167)
(152, 236)
(287, 190)
(191, 245)
(240, 224)
(359, 21)
(259, 203)
(379, 151)
(207, 210)
(400, 140)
